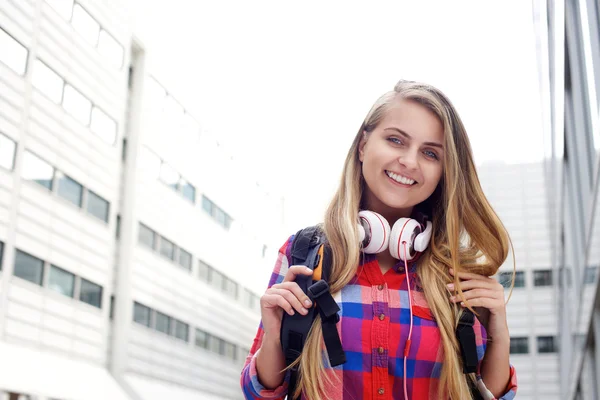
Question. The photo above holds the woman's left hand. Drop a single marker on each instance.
(486, 296)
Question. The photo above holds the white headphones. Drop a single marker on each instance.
(375, 236)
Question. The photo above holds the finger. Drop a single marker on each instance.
(476, 283)
(272, 299)
(488, 304)
(475, 293)
(296, 270)
(291, 299)
(469, 275)
(299, 293)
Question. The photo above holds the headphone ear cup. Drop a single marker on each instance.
(377, 232)
(404, 231)
(422, 240)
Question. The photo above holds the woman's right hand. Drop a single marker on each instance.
(284, 297)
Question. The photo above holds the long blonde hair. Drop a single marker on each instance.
(468, 236)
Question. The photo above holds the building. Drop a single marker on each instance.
(126, 257)
(519, 196)
(568, 50)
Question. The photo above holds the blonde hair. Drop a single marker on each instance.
(467, 236)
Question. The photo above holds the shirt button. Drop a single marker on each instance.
(381, 317)
(380, 350)
(380, 287)
(381, 391)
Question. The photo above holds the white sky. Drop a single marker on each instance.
(284, 86)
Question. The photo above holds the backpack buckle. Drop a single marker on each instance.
(318, 289)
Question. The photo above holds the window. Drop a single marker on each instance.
(188, 191)
(61, 281)
(230, 350)
(7, 152)
(141, 314)
(37, 170)
(47, 81)
(204, 270)
(207, 205)
(519, 345)
(201, 339)
(505, 278)
(13, 53)
(149, 163)
(217, 279)
(103, 126)
(90, 293)
(146, 236)
(185, 259)
(216, 345)
(85, 24)
(77, 104)
(230, 287)
(542, 278)
(250, 299)
(169, 176)
(163, 323)
(219, 216)
(69, 189)
(1, 254)
(110, 48)
(64, 8)
(97, 206)
(118, 227)
(589, 275)
(546, 344)
(28, 267)
(167, 248)
(181, 330)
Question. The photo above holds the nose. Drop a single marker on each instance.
(409, 159)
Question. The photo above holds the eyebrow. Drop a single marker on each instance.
(434, 144)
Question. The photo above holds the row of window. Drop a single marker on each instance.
(39, 171)
(544, 277)
(52, 85)
(35, 270)
(157, 168)
(90, 29)
(151, 239)
(173, 327)
(545, 344)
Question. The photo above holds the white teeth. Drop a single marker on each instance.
(399, 178)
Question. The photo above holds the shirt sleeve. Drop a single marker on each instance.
(251, 387)
(511, 389)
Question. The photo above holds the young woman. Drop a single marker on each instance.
(411, 158)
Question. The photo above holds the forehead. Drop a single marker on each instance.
(415, 119)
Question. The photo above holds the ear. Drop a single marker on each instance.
(361, 146)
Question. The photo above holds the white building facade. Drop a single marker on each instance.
(128, 256)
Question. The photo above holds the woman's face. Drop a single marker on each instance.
(402, 159)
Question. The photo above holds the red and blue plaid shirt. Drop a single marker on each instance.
(373, 327)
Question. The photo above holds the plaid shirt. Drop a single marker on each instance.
(373, 327)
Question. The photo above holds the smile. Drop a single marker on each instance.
(400, 179)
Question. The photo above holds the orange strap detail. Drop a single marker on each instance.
(319, 268)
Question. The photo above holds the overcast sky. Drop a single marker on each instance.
(285, 85)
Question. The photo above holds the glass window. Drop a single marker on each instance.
(110, 48)
(163, 323)
(207, 205)
(505, 278)
(217, 279)
(47, 81)
(188, 191)
(61, 281)
(228, 221)
(589, 275)
(28, 267)
(542, 278)
(217, 345)
(12, 53)
(185, 259)
(167, 248)
(7, 152)
(141, 314)
(182, 330)
(97, 206)
(85, 24)
(546, 344)
(37, 170)
(77, 104)
(230, 351)
(204, 270)
(104, 126)
(201, 339)
(219, 216)
(149, 162)
(169, 176)
(69, 189)
(64, 8)
(1, 254)
(231, 288)
(146, 236)
(90, 293)
(519, 345)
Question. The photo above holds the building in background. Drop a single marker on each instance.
(568, 50)
(128, 256)
(519, 196)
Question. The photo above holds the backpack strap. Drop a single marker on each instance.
(466, 338)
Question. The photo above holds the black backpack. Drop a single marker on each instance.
(309, 248)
